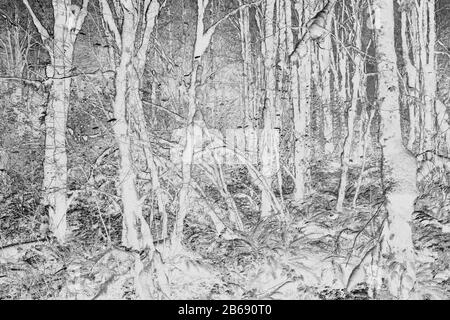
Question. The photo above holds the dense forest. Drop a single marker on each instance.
(225, 149)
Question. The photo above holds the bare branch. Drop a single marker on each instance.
(152, 11)
(160, 107)
(203, 39)
(81, 16)
(232, 13)
(39, 83)
(42, 31)
(109, 19)
(34, 83)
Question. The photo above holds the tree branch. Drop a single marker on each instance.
(39, 83)
(45, 36)
(152, 10)
(160, 107)
(34, 83)
(204, 39)
(81, 16)
(109, 19)
(232, 13)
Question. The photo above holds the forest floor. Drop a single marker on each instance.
(320, 255)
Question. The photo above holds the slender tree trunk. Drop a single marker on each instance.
(202, 41)
(412, 82)
(399, 166)
(427, 39)
(244, 24)
(365, 145)
(268, 143)
(302, 78)
(351, 116)
(186, 165)
(324, 52)
(248, 82)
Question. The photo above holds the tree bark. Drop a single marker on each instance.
(412, 81)
(302, 78)
(427, 39)
(130, 128)
(323, 54)
(68, 21)
(202, 41)
(266, 141)
(351, 115)
(399, 166)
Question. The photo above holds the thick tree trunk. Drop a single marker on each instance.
(55, 163)
(68, 21)
(135, 230)
(399, 166)
(130, 128)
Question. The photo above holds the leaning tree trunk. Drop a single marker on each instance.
(68, 21)
(399, 166)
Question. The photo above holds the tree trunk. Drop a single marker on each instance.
(351, 116)
(130, 126)
(68, 21)
(302, 78)
(247, 97)
(323, 54)
(399, 166)
(268, 142)
(202, 42)
(427, 39)
(412, 81)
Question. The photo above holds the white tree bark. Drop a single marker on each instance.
(412, 80)
(399, 166)
(202, 41)
(267, 140)
(68, 21)
(302, 78)
(132, 41)
(427, 40)
(323, 53)
(247, 92)
(351, 114)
